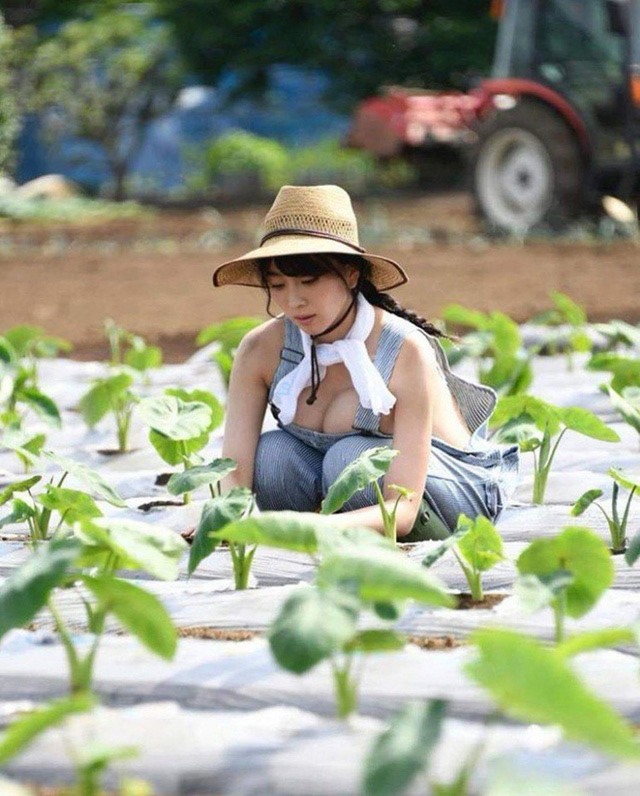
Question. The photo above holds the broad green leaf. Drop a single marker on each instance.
(535, 684)
(507, 340)
(216, 514)
(436, 554)
(585, 422)
(103, 397)
(195, 477)
(620, 332)
(403, 750)
(175, 418)
(481, 545)
(596, 639)
(44, 406)
(228, 333)
(629, 413)
(379, 575)
(26, 591)
(32, 340)
(624, 480)
(20, 512)
(626, 370)
(580, 341)
(388, 611)
(310, 627)
(520, 431)
(98, 487)
(177, 451)
(534, 593)
(358, 474)
(462, 316)
(139, 611)
(289, 530)
(8, 354)
(69, 503)
(376, 640)
(572, 313)
(18, 486)
(537, 411)
(578, 551)
(26, 729)
(143, 357)
(584, 501)
(204, 397)
(633, 550)
(25, 444)
(137, 545)
(331, 538)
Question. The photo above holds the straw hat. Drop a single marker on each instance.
(316, 219)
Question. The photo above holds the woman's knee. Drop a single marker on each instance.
(286, 473)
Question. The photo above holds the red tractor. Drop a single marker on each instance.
(556, 125)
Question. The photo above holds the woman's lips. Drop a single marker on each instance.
(303, 318)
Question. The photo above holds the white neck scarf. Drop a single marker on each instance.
(367, 381)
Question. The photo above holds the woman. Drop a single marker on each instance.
(343, 369)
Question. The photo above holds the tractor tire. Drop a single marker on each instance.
(527, 170)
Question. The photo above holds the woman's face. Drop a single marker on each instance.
(313, 302)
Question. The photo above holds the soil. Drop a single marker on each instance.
(436, 642)
(466, 601)
(152, 275)
(218, 634)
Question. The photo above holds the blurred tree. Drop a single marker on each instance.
(360, 44)
(15, 50)
(105, 78)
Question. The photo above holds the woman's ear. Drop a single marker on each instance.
(352, 276)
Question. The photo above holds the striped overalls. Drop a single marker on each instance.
(295, 466)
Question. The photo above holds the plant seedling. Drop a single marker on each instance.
(537, 685)
(180, 424)
(627, 405)
(31, 342)
(228, 334)
(619, 333)
(100, 546)
(26, 445)
(321, 623)
(367, 469)
(19, 388)
(496, 341)
(617, 524)
(477, 546)
(625, 370)
(111, 395)
(569, 573)
(566, 311)
(218, 513)
(534, 424)
(131, 349)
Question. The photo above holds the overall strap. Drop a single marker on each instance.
(290, 356)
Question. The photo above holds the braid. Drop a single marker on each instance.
(386, 302)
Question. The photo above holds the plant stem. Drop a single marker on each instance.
(242, 560)
(75, 664)
(345, 688)
(559, 606)
(388, 520)
(474, 579)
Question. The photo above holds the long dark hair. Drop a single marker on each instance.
(318, 264)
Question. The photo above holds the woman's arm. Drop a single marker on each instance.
(254, 363)
(413, 383)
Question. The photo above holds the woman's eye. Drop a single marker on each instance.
(309, 281)
(276, 287)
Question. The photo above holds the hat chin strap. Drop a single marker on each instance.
(315, 367)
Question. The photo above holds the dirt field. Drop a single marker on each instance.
(153, 275)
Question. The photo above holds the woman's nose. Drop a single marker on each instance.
(296, 297)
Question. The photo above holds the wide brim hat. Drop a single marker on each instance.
(317, 219)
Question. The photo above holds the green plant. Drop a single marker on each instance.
(566, 311)
(477, 546)
(625, 370)
(367, 469)
(534, 424)
(617, 524)
(130, 349)
(33, 342)
(100, 546)
(627, 405)
(569, 573)
(26, 445)
(180, 423)
(218, 513)
(242, 154)
(19, 388)
(111, 395)
(71, 505)
(536, 684)
(229, 335)
(496, 345)
(619, 333)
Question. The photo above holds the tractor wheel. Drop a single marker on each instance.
(527, 169)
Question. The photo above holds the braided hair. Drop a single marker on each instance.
(318, 264)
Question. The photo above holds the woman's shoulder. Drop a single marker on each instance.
(263, 343)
